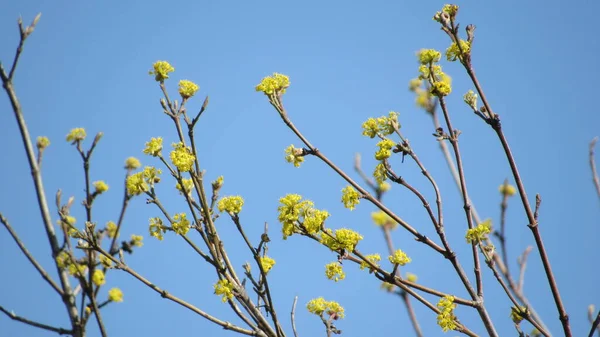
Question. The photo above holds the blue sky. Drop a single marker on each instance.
(87, 65)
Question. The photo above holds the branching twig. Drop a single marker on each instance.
(292, 316)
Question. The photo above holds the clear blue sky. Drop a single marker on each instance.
(87, 65)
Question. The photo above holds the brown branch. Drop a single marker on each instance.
(593, 166)
(165, 294)
(595, 325)
(7, 84)
(13, 316)
(30, 257)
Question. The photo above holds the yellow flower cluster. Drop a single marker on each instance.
(231, 204)
(453, 52)
(182, 157)
(385, 149)
(76, 135)
(136, 240)
(399, 258)
(318, 306)
(154, 146)
(111, 229)
(410, 277)
(161, 70)
(293, 212)
(294, 155)
(373, 258)
(115, 295)
(267, 263)
(188, 185)
(507, 189)
(100, 186)
(380, 126)
(42, 142)
(344, 238)
(517, 314)
(429, 56)
(156, 228)
(141, 182)
(350, 197)
(470, 98)
(334, 271)
(187, 88)
(132, 163)
(446, 318)
(478, 233)
(383, 220)
(98, 277)
(224, 288)
(105, 261)
(275, 84)
(181, 225)
(380, 173)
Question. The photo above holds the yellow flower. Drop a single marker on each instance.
(410, 277)
(100, 186)
(188, 185)
(42, 142)
(161, 70)
(111, 229)
(267, 263)
(136, 240)
(350, 197)
(385, 149)
(384, 187)
(475, 235)
(132, 163)
(115, 295)
(294, 155)
(343, 239)
(231, 204)
(428, 56)
(187, 89)
(414, 84)
(106, 262)
(314, 219)
(384, 125)
(471, 99)
(224, 288)
(518, 314)
(387, 287)
(507, 189)
(62, 259)
(292, 208)
(453, 52)
(441, 89)
(76, 135)
(76, 269)
(98, 277)
(277, 83)
(181, 225)
(156, 228)
(446, 318)
(154, 146)
(318, 306)
(182, 157)
(381, 219)
(380, 173)
(399, 258)
(373, 258)
(334, 271)
(136, 184)
(218, 183)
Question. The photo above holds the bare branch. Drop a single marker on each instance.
(13, 316)
(593, 166)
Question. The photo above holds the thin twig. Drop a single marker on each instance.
(595, 325)
(30, 257)
(13, 316)
(593, 166)
(293, 316)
